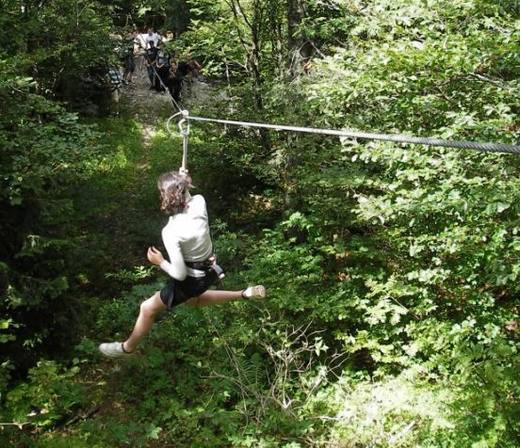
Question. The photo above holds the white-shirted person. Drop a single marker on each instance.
(192, 267)
(152, 36)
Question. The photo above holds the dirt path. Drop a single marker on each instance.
(149, 106)
(138, 98)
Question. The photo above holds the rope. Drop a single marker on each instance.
(398, 138)
(175, 103)
(184, 124)
(185, 132)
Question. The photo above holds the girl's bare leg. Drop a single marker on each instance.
(214, 297)
(149, 309)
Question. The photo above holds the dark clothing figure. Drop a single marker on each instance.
(175, 88)
(151, 57)
(162, 65)
(193, 71)
(177, 73)
(183, 68)
(129, 64)
(129, 61)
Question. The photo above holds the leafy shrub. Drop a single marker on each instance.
(50, 396)
(46, 149)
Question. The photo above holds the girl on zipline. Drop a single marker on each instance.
(192, 266)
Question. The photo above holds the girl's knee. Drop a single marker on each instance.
(153, 305)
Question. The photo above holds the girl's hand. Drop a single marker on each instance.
(154, 256)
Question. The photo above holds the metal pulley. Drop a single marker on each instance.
(184, 128)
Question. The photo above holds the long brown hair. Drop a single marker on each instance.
(173, 187)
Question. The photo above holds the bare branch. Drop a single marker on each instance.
(246, 20)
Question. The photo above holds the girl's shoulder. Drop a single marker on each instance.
(198, 198)
(197, 205)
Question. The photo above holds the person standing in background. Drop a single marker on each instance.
(163, 68)
(150, 61)
(151, 35)
(129, 58)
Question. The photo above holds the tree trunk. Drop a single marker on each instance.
(300, 49)
(254, 60)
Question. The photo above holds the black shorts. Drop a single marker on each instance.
(176, 292)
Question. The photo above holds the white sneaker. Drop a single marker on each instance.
(254, 292)
(113, 350)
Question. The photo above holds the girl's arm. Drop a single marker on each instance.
(176, 267)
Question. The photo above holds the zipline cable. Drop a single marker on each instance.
(398, 138)
(174, 102)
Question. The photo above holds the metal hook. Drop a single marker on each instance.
(184, 129)
(184, 121)
(168, 122)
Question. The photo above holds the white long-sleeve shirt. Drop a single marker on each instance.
(186, 238)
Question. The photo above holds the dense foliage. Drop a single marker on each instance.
(392, 270)
(44, 148)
